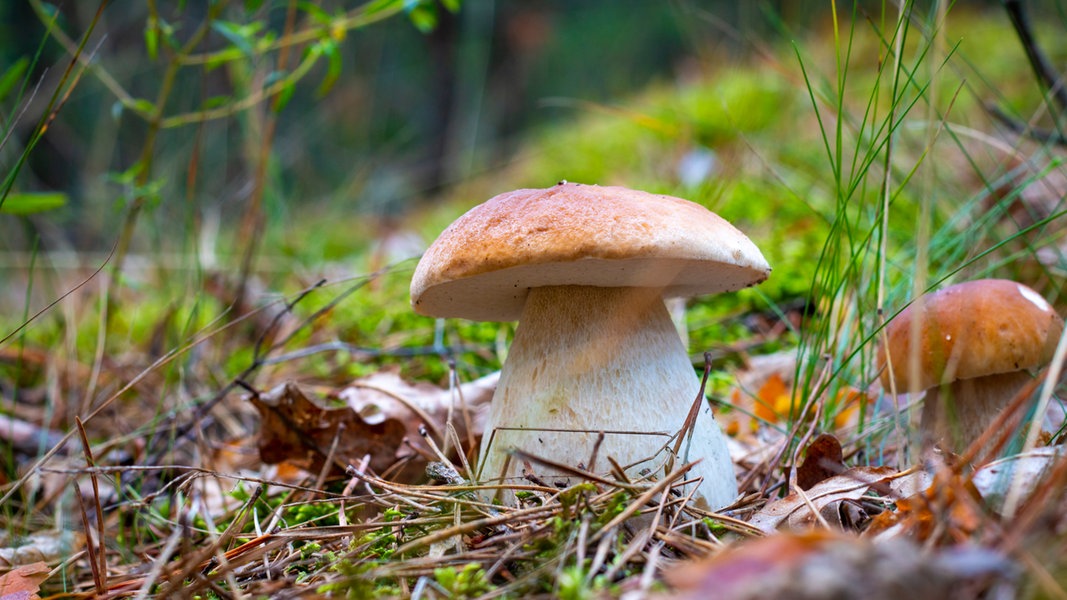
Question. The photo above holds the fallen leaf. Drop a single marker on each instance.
(764, 393)
(45, 546)
(773, 401)
(1024, 472)
(385, 395)
(378, 416)
(300, 430)
(761, 390)
(849, 404)
(823, 459)
(23, 583)
(795, 510)
(949, 506)
(729, 572)
(822, 564)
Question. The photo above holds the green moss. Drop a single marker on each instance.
(468, 582)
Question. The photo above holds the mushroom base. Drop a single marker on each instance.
(955, 415)
(587, 360)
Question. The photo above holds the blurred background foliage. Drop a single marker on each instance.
(409, 112)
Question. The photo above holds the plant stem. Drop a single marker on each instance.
(148, 149)
(252, 224)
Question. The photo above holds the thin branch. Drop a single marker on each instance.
(1018, 127)
(1039, 62)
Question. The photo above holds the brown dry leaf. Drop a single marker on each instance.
(380, 417)
(300, 430)
(765, 394)
(823, 459)
(821, 564)
(774, 400)
(1017, 475)
(384, 395)
(742, 564)
(950, 506)
(762, 385)
(851, 485)
(850, 402)
(43, 546)
(23, 583)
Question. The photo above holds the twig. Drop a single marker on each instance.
(1040, 63)
(596, 451)
(686, 432)
(259, 355)
(424, 433)
(90, 545)
(633, 547)
(649, 572)
(423, 416)
(360, 353)
(504, 519)
(252, 221)
(160, 562)
(1016, 126)
(569, 470)
(450, 433)
(644, 498)
(1049, 376)
(62, 297)
(54, 102)
(1046, 75)
(161, 361)
(456, 390)
(94, 478)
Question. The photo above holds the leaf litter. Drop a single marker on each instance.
(370, 494)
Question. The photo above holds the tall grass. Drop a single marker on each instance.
(902, 222)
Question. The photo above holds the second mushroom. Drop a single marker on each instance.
(971, 347)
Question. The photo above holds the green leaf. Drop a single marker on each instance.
(151, 37)
(238, 35)
(167, 31)
(253, 5)
(423, 17)
(50, 9)
(32, 202)
(312, 10)
(451, 6)
(284, 96)
(145, 107)
(128, 176)
(333, 71)
(13, 75)
(215, 102)
(214, 61)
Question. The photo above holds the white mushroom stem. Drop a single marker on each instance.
(955, 414)
(601, 359)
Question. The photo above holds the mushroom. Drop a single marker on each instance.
(584, 269)
(977, 342)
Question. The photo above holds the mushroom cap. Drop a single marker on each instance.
(484, 264)
(972, 329)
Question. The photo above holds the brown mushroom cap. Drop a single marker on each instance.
(972, 329)
(483, 265)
